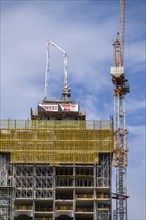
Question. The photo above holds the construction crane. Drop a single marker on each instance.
(66, 90)
(120, 155)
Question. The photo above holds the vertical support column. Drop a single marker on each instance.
(54, 191)
(114, 215)
(34, 190)
(3, 170)
(110, 217)
(94, 192)
(103, 180)
(13, 191)
(74, 193)
(74, 177)
(5, 188)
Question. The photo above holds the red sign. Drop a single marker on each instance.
(51, 108)
(69, 107)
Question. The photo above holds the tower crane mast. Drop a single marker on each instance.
(66, 90)
(120, 131)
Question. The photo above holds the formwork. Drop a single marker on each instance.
(55, 170)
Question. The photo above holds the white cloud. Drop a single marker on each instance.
(136, 52)
(134, 105)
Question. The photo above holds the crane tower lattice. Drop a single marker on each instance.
(120, 131)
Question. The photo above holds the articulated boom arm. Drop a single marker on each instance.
(66, 90)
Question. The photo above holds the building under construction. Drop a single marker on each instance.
(56, 166)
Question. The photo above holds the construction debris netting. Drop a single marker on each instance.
(55, 142)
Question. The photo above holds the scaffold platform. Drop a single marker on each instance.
(55, 142)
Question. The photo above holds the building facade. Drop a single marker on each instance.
(56, 166)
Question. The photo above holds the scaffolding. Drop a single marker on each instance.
(55, 142)
(76, 183)
(6, 184)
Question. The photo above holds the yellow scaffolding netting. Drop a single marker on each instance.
(55, 142)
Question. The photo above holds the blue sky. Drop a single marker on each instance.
(85, 30)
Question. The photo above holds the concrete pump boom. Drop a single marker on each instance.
(66, 90)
